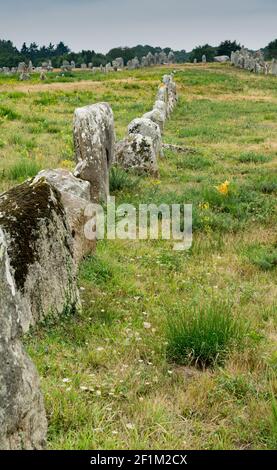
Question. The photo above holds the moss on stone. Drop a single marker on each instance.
(22, 209)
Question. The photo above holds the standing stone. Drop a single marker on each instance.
(150, 59)
(158, 116)
(42, 75)
(147, 128)
(118, 63)
(136, 152)
(22, 67)
(37, 278)
(24, 76)
(162, 58)
(195, 61)
(84, 66)
(274, 67)
(94, 139)
(23, 422)
(75, 197)
(171, 57)
(204, 59)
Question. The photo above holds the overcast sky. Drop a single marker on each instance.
(103, 24)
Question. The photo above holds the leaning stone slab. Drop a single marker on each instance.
(136, 152)
(75, 197)
(94, 139)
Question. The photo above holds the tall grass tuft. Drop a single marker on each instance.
(120, 179)
(23, 169)
(202, 336)
(8, 113)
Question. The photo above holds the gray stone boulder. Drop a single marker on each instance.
(157, 116)
(94, 139)
(221, 58)
(147, 128)
(75, 197)
(136, 152)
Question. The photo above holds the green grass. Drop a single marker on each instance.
(264, 257)
(22, 170)
(202, 336)
(120, 179)
(122, 388)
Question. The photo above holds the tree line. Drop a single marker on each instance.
(10, 55)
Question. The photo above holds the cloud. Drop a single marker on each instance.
(103, 24)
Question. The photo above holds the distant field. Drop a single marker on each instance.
(113, 376)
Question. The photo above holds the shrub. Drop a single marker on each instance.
(202, 336)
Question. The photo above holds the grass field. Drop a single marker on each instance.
(171, 350)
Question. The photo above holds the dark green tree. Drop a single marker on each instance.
(207, 50)
(271, 50)
(226, 47)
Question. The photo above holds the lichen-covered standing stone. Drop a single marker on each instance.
(94, 139)
(37, 278)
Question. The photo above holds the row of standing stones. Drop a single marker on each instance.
(42, 241)
(25, 70)
(253, 61)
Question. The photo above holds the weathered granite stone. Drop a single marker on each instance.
(274, 67)
(42, 75)
(24, 76)
(23, 422)
(118, 63)
(204, 59)
(40, 248)
(160, 117)
(37, 278)
(22, 67)
(221, 58)
(162, 94)
(147, 128)
(94, 139)
(157, 116)
(75, 196)
(171, 57)
(150, 59)
(136, 152)
(171, 93)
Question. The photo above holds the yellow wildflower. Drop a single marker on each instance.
(204, 206)
(224, 188)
